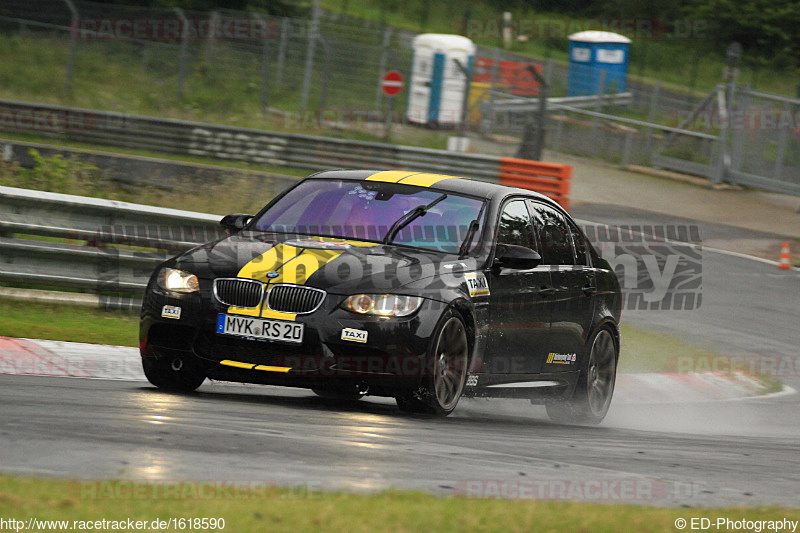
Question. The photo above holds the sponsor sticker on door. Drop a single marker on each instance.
(561, 358)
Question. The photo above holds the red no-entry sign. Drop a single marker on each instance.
(392, 83)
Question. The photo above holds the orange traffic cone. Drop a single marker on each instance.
(784, 264)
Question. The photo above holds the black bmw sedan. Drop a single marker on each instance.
(422, 287)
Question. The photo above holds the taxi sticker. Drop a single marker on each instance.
(171, 311)
(477, 284)
(355, 335)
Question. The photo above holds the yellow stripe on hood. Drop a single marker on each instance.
(294, 266)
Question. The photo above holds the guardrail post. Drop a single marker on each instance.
(601, 89)
(282, 52)
(184, 50)
(782, 139)
(323, 90)
(387, 35)
(627, 149)
(467, 72)
(651, 116)
(559, 133)
(73, 44)
(211, 38)
(738, 133)
(548, 71)
(493, 82)
(264, 65)
(313, 31)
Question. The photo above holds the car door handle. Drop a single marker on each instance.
(547, 291)
(588, 290)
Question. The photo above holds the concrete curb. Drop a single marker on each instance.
(33, 357)
(69, 298)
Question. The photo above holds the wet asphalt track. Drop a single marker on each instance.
(711, 453)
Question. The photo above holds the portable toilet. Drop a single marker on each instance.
(592, 52)
(438, 85)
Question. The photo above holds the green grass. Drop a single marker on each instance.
(290, 510)
(646, 351)
(124, 77)
(231, 194)
(68, 323)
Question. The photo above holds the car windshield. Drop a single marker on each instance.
(366, 210)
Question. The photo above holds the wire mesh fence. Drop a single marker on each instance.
(327, 69)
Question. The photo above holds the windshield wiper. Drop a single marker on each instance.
(473, 227)
(408, 218)
(464, 248)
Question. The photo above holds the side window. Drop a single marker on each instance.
(515, 225)
(579, 241)
(554, 235)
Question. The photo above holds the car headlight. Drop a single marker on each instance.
(382, 304)
(175, 280)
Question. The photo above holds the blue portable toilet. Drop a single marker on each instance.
(591, 52)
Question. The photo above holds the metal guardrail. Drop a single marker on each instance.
(254, 146)
(531, 105)
(238, 144)
(124, 241)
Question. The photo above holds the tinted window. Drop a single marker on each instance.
(553, 235)
(367, 209)
(515, 225)
(579, 242)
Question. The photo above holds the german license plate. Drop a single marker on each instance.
(260, 328)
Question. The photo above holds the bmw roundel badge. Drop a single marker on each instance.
(273, 274)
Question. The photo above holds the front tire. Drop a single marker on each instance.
(592, 397)
(172, 374)
(446, 371)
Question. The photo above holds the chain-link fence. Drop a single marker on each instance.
(281, 63)
(238, 64)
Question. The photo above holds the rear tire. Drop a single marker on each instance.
(446, 371)
(592, 397)
(172, 374)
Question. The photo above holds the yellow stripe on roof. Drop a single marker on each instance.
(424, 180)
(391, 176)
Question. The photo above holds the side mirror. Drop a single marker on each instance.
(517, 257)
(236, 222)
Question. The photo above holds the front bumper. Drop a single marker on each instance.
(393, 356)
